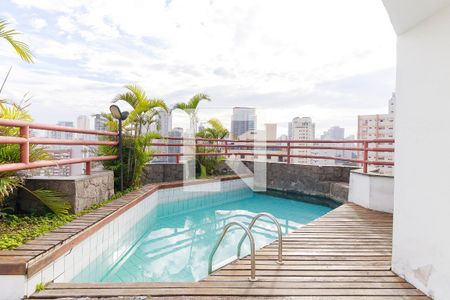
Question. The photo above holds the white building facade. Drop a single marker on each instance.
(381, 126)
(302, 128)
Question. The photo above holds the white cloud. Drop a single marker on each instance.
(66, 24)
(243, 53)
(38, 23)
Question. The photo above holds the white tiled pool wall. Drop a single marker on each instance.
(106, 246)
(110, 243)
(182, 199)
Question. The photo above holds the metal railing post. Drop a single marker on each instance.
(288, 153)
(88, 168)
(25, 147)
(120, 155)
(365, 156)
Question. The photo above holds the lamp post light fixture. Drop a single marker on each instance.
(120, 116)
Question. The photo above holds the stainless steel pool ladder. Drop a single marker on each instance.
(248, 234)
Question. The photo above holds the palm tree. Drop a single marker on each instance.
(21, 48)
(144, 109)
(207, 165)
(10, 153)
(216, 131)
(191, 108)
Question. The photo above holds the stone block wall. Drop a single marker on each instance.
(81, 191)
(155, 173)
(326, 181)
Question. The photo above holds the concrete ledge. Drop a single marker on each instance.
(373, 191)
(81, 191)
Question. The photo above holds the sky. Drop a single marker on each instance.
(326, 59)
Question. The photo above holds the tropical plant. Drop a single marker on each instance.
(215, 131)
(10, 153)
(207, 165)
(135, 155)
(21, 48)
(136, 152)
(144, 109)
(191, 108)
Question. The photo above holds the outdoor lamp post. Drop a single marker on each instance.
(120, 116)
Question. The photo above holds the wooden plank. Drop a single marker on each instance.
(241, 284)
(227, 292)
(306, 278)
(345, 254)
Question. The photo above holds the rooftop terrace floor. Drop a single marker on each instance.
(345, 254)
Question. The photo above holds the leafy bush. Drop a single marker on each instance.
(11, 181)
(15, 230)
(207, 165)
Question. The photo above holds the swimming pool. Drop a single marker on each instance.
(173, 239)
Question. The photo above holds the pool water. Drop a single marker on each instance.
(176, 245)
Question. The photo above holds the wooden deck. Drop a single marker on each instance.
(345, 254)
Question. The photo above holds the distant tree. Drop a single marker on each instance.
(21, 48)
(191, 108)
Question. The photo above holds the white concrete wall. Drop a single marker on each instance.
(372, 191)
(421, 245)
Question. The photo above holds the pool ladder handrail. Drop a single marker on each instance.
(252, 242)
(280, 235)
(252, 248)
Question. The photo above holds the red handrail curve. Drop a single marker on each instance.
(226, 144)
(24, 140)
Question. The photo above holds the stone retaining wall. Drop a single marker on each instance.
(156, 173)
(326, 181)
(80, 191)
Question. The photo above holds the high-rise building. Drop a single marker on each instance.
(271, 131)
(334, 133)
(242, 120)
(379, 127)
(176, 132)
(81, 151)
(61, 134)
(83, 123)
(392, 103)
(58, 170)
(302, 129)
(99, 122)
(164, 122)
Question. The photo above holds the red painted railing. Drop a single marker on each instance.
(225, 148)
(24, 140)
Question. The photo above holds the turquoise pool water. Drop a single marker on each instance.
(177, 241)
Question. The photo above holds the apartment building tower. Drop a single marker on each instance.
(243, 120)
(302, 128)
(380, 126)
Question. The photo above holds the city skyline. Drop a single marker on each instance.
(296, 65)
(167, 124)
